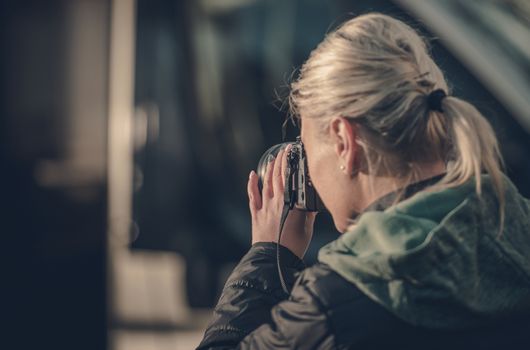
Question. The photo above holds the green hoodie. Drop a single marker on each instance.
(437, 259)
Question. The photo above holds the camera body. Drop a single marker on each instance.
(299, 190)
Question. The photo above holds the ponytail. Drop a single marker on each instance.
(474, 149)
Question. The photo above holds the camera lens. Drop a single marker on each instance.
(266, 158)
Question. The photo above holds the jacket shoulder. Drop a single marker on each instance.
(355, 320)
(331, 288)
(352, 317)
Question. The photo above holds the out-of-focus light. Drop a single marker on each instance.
(216, 6)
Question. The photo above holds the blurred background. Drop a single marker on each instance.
(128, 129)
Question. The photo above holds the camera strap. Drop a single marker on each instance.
(285, 213)
(288, 204)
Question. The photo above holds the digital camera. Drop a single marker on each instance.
(299, 191)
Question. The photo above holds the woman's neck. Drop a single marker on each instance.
(367, 189)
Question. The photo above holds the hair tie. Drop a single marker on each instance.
(434, 100)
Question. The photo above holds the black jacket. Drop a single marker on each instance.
(324, 311)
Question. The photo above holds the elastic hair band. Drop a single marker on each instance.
(434, 100)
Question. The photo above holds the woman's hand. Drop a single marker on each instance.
(266, 210)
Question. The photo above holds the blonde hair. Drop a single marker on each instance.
(376, 71)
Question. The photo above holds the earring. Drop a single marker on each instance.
(342, 167)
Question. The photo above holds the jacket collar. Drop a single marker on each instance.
(388, 200)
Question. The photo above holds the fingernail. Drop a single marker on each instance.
(250, 175)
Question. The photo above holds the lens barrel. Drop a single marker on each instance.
(266, 158)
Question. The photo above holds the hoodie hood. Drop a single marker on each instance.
(437, 259)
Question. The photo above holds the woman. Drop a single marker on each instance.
(435, 250)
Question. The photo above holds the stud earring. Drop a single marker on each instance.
(342, 167)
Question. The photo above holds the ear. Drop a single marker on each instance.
(343, 134)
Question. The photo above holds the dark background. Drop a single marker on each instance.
(209, 85)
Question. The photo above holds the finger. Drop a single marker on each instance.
(284, 164)
(310, 222)
(254, 197)
(267, 183)
(310, 217)
(277, 174)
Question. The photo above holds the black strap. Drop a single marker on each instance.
(287, 206)
(434, 100)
